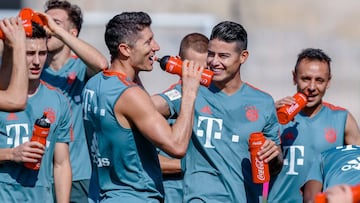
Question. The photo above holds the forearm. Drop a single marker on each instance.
(169, 165)
(89, 54)
(14, 78)
(6, 155)
(62, 181)
(62, 173)
(18, 86)
(276, 164)
(5, 69)
(183, 125)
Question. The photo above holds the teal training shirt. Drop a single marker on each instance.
(217, 165)
(302, 139)
(70, 79)
(340, 165)
(17, 183)
(127, 163)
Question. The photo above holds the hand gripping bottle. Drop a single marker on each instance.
(321, 197)
(259, 169)
(40, 133)
(173, 65)
(288, 112)
(27, 16)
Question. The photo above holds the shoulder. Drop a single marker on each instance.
(52, 91)
(250, 89)
(333, 107)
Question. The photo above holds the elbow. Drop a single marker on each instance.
(17, 105)
(103, 64)
(177, 152)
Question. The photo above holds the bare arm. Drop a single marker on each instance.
(169, 165)
(136, 107)
(93, 58)
(311, 188)
(62, 173)
(352, 132)
(13, 93)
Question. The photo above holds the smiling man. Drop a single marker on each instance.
(121, 121)
(217, 165)
(318, 127)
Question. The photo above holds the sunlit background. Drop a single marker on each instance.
(278, 30)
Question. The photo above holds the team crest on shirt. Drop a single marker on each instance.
(50, 114)
(330, 135)
(71, 78)
(252, 113)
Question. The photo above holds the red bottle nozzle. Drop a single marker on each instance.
(173, 65)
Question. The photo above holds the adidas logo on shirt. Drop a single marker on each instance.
(353, 164)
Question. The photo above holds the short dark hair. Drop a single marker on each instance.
(73, 11)
(124, 28)
(38, 31)
(313, 54)
(196, 41)
(229, 31)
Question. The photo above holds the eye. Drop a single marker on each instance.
(211, 54)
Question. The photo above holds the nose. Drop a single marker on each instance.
(36, 59)
(156, 46)
(213, 60)
(311, 87)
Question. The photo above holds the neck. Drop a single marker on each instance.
(125, 68)
(231, 86)
(312, 111)
(57, 59)
(33, 86)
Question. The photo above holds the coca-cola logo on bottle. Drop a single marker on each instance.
(260, 169)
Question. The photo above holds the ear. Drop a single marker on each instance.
(124, 49)
(328, 83)
(294, 77)
(243, 56)
(74, 32)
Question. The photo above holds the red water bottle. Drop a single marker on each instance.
(173, 65)
(321, 197)
(287, 113)
(40, 132)
(27, 16)
(259, 169)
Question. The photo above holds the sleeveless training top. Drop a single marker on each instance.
(127, 164)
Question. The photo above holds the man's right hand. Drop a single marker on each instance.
(28, 152)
